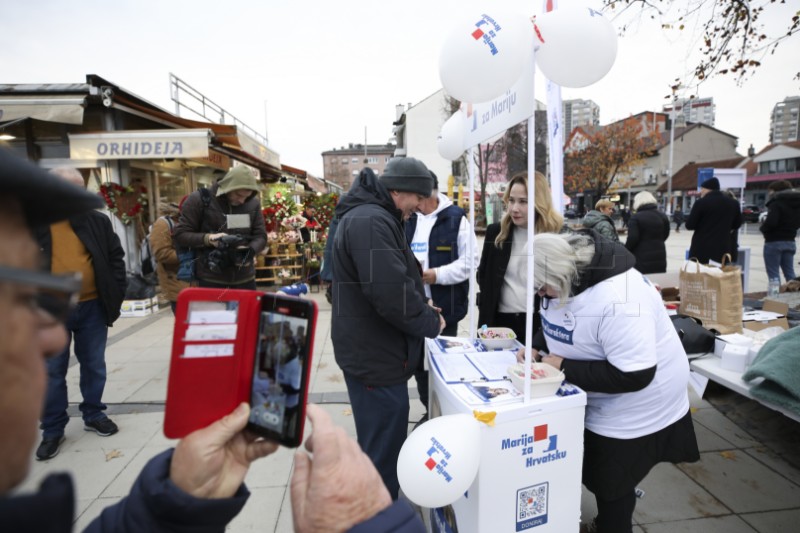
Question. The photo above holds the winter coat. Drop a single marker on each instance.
(648, 229)
(108, 258)
(197, 221)
(380, 315)
(713, 218)
(491, 273)
(602, 224)
(783, 217)
(166, 259)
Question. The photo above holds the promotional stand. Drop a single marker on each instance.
(529, 476)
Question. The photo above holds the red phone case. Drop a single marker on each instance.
(202, 388)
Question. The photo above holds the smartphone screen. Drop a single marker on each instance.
(280, 375)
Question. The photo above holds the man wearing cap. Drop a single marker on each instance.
(713, 218)
(380, 314)
(209, 225)
(198, 485)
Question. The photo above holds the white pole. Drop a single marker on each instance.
(471, 171)
(671, 149)
(529, 284)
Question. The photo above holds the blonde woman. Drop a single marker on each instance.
(501, 274)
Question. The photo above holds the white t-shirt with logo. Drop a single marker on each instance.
(623, 320)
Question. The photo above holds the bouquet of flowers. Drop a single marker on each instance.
(277, 206)
(294, 222)
(291, 236)
(325, 206)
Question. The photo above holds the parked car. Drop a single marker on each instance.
(751, 212)
(571, 213)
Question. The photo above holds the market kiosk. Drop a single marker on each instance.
(531, 455)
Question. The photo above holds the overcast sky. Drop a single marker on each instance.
(324, 70)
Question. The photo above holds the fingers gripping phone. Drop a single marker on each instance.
(232, 346)
(279, 388)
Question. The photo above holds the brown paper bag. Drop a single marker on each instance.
(713, 295)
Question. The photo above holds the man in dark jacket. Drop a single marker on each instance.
(198, 486)
(210, 226)
(713, 218)
(380, 314)
(780, 230)
(84, 243)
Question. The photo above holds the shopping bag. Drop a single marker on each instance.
(713, 295)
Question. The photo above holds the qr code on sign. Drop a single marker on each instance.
(532, 506)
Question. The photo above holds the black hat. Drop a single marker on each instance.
(712, 184)
(407, 174)
(45, 198)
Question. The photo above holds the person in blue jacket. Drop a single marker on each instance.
(198, 485)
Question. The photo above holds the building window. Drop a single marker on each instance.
(386, 159)
(344, 160)
(372, 160)
(354, 160)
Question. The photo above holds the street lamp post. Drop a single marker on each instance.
(671, 148)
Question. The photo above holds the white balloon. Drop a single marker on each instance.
(577, 46)
(484, 55)
(439, 460)
(450, 143)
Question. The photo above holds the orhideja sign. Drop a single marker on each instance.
(140, 144)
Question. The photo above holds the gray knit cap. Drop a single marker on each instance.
(408, 175)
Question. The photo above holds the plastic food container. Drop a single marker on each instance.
(545, 380)
(497, 338)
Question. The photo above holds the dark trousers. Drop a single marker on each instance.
(381, 417)
(616, 516)
(87, 332)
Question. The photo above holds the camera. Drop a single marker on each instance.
(224, 255)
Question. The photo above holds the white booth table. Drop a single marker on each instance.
(531, 458)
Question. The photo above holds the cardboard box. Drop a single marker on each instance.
(134, 308)
(669, 284)
(775, 307)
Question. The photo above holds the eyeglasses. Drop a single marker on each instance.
(56, 295)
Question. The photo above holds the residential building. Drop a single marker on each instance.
(685, 191)
(779, 161)
(699, 110)
(578, 113)
(342, 165)
(784, 122)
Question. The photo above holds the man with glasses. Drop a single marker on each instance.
(84, 243)
(198, 485)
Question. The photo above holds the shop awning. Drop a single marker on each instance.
(140, 144)
(226, 138)
(65, 109)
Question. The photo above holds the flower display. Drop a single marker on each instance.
(325, 206)
(278, 205)
(294, 222)
(126, 202)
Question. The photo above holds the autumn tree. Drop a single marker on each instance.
(612, 151)
(735, 39)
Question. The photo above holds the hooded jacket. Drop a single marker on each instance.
(783, 217)
(197, 221)
(380, 315)
(648, 230)
(601, 223)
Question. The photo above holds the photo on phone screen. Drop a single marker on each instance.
(280, 376)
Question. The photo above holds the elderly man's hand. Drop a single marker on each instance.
(521, 355)
(212, 462)
(213, 238)
(429, 276)
(339, 487)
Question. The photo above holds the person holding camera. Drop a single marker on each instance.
(226, 231)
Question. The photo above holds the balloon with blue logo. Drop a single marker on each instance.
(484, 55)
(576, 46)
(439, 460)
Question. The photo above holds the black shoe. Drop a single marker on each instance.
(49, 448)
(103, 427)
(421, 421)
